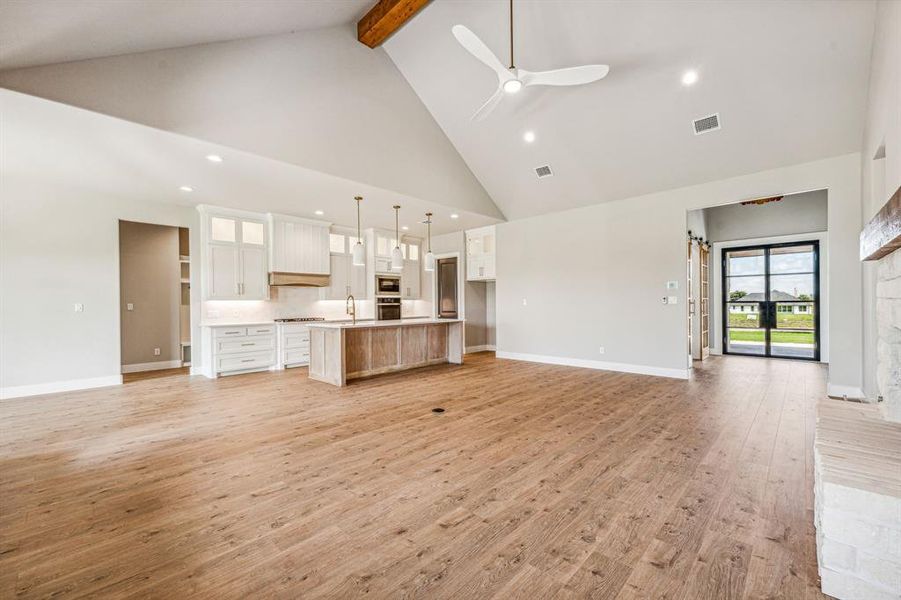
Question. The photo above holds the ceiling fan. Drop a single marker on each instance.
(511, 80)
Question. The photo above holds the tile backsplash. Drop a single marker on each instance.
(286, 302)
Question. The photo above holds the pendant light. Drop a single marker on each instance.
(359, 251)
(429, 257)
(397, 257)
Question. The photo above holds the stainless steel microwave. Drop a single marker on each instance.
(387, 285)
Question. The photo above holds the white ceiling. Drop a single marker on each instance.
(40, 32)
(113, 158)
(788, 78)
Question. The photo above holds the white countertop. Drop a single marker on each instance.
(346, 321)
(368, 324)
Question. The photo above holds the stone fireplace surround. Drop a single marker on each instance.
(857, 461)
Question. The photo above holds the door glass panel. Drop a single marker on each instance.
(792, 287)
(251, 232)
(222, 230)
(793, 335)
(745, 333)
(748, 289)
(746, 262)
(792, 259)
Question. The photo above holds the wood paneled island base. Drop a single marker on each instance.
(343, 351)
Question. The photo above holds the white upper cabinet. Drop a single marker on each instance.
(298, 245)
(410, 277)
(480, 254)
(234, 251)
(346, 278)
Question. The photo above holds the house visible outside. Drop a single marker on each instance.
(796, 314)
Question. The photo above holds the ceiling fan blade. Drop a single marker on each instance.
(569, 76)
(489, 105)
(477, 48)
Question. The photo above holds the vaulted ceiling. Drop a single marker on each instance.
(788, 79)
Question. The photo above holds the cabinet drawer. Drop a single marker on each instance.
(261, 330)
(245, 344)
(239, 362)
(297, 356)
(229, 332)
(297, 340)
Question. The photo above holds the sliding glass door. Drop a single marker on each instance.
(771, 300)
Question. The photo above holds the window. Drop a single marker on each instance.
(336, 243)
(222, 230)
(251, 232)
(414, 252)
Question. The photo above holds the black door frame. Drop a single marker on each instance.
(768, 319)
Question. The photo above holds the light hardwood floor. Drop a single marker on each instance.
(538, 481)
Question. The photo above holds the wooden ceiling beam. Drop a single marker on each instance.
(386, 17)
(882, 235)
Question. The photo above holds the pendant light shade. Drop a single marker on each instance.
(429, 257)
(359, 251)
(397, 257)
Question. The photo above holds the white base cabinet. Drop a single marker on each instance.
(240, 349)
(293, 345)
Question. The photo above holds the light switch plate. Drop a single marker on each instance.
(129, 306)
(672, 300)
(524, 302)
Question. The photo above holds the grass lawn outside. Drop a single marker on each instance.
(783, 320)
(776, 337)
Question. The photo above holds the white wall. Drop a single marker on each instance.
(318, 99)
(880, 177)
(595, 276)
(795, 213)
(59, 245)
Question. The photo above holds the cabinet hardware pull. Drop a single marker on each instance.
(248, 344)
(248, 360)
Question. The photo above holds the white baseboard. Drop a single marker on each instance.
(151, 366)
(840, 391)
(597, 364)
(482, 348)
(71, 385)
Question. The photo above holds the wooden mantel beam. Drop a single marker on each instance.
(882, 235)
(386, 17)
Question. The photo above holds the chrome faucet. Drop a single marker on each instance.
(350, 307)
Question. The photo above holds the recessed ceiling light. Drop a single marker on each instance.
(529, 136)
(455, 216)
(320, 212)
(690, 77)
(405, 228)
(214, 158)
(186, 188)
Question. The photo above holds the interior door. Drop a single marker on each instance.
(771, 300)
(704, 300)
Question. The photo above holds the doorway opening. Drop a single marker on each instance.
(771, 301)
(154, 296)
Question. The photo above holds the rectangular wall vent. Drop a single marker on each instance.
(543, 171)
(707, 124)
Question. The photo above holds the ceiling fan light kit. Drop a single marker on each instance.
(511, 80)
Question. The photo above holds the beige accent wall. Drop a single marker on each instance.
(149, 276)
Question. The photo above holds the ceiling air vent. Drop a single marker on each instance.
(544, 171)
(705, 124)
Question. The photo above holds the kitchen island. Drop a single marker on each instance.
(343, 351)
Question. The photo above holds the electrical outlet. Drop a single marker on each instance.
(602, 350)
(79, 307)
(673, 300)
(129, 306)
(156, 351)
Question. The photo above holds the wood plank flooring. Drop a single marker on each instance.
(538, 481)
